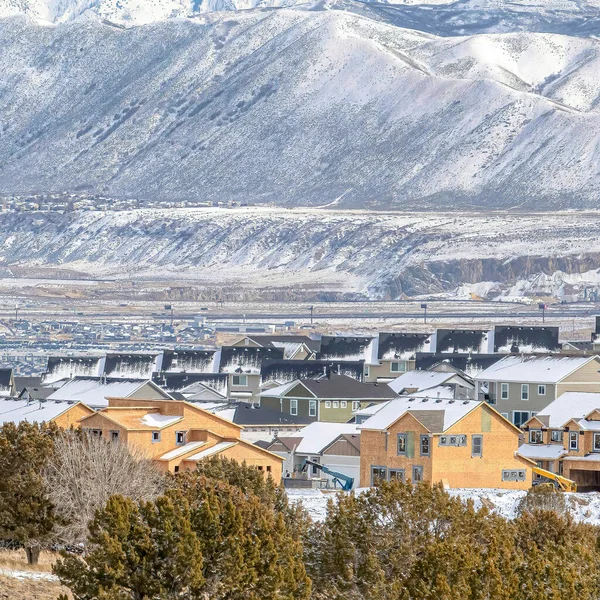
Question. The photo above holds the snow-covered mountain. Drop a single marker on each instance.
(316, 253)
(333, 103)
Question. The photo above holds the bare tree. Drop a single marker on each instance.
(86, 471)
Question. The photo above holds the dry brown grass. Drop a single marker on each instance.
(20, 588)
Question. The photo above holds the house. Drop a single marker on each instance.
(7, 383)
(471, 364)
(242, 364)
(94, 391)
(295, 347)
(463, 444)
(63, 414)
(336, 446)
(521, 386)
(447, 384)
(564, 438)
(330, 397)
(396, 353)
(176, 434)
(259, 422)
(68, 367)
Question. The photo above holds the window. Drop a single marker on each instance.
(344, 404)
(336, 404)
(573, 440)
(541, 390)
(556, 435)
(504, 391)
(239, 380)
(396, 474)
(520, 416)
(401, 446)
(95, 432)
(259, 467)
(513, 475)
(536, 437)
(477, 446)
(453, 440)
(312, 408)
(176, 469)
(597, 442)
(505, 415)
(424, 445)
(114, 436)
(378, 474)
(367, 371)
(180, 438)
(155, 437)
(268, 468)
(525, 391)
(417, 474)
(398, 367)
(327, 403)
(355, 405)
(293, 406)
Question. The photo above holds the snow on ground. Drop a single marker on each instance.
(27, 574)
(583, 507)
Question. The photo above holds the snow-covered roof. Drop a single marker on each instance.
(159, 421)
(593, 457)
(570, 405)
(542, 451)
(15, 411)
(212, 450)
(450, 411)
(181, 450)
(589, 425)
(370, 410)
(94, 392)
(318, 435)
(544, 369)
(420, 380)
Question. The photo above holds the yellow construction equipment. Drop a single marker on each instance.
(560, 482)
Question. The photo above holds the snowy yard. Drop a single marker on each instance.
(584, 507)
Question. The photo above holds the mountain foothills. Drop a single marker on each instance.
(477, 103)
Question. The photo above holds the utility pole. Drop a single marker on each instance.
(542, 307)
(311, 308)
(424, 307)
(17, 313)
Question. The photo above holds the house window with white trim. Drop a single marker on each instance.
(398, 367)
(239, 380)
(541, 389)
(355, 405)
(524, 391)
(344, 404)
(367, 371)
(573, 440)
(312, 408)
(536, 437)
(293, 406)
(597, 442)
(556, 435)
(520, 416)
(336, 404)
(504, 391)
(327, 403)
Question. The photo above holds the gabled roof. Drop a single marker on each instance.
(448, 412)
(424, 380)
(536, 369)
(6, 381)
(470, 363)
(95, 390)
(136, 418)
(319, 435)
(570, 405)
(15, 411)
(275, 341)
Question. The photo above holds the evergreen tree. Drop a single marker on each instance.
(27, 515)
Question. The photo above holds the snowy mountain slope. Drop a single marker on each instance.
(300, 107)
(365, 254)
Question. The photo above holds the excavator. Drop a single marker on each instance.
(344, 481)
(557, 481)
